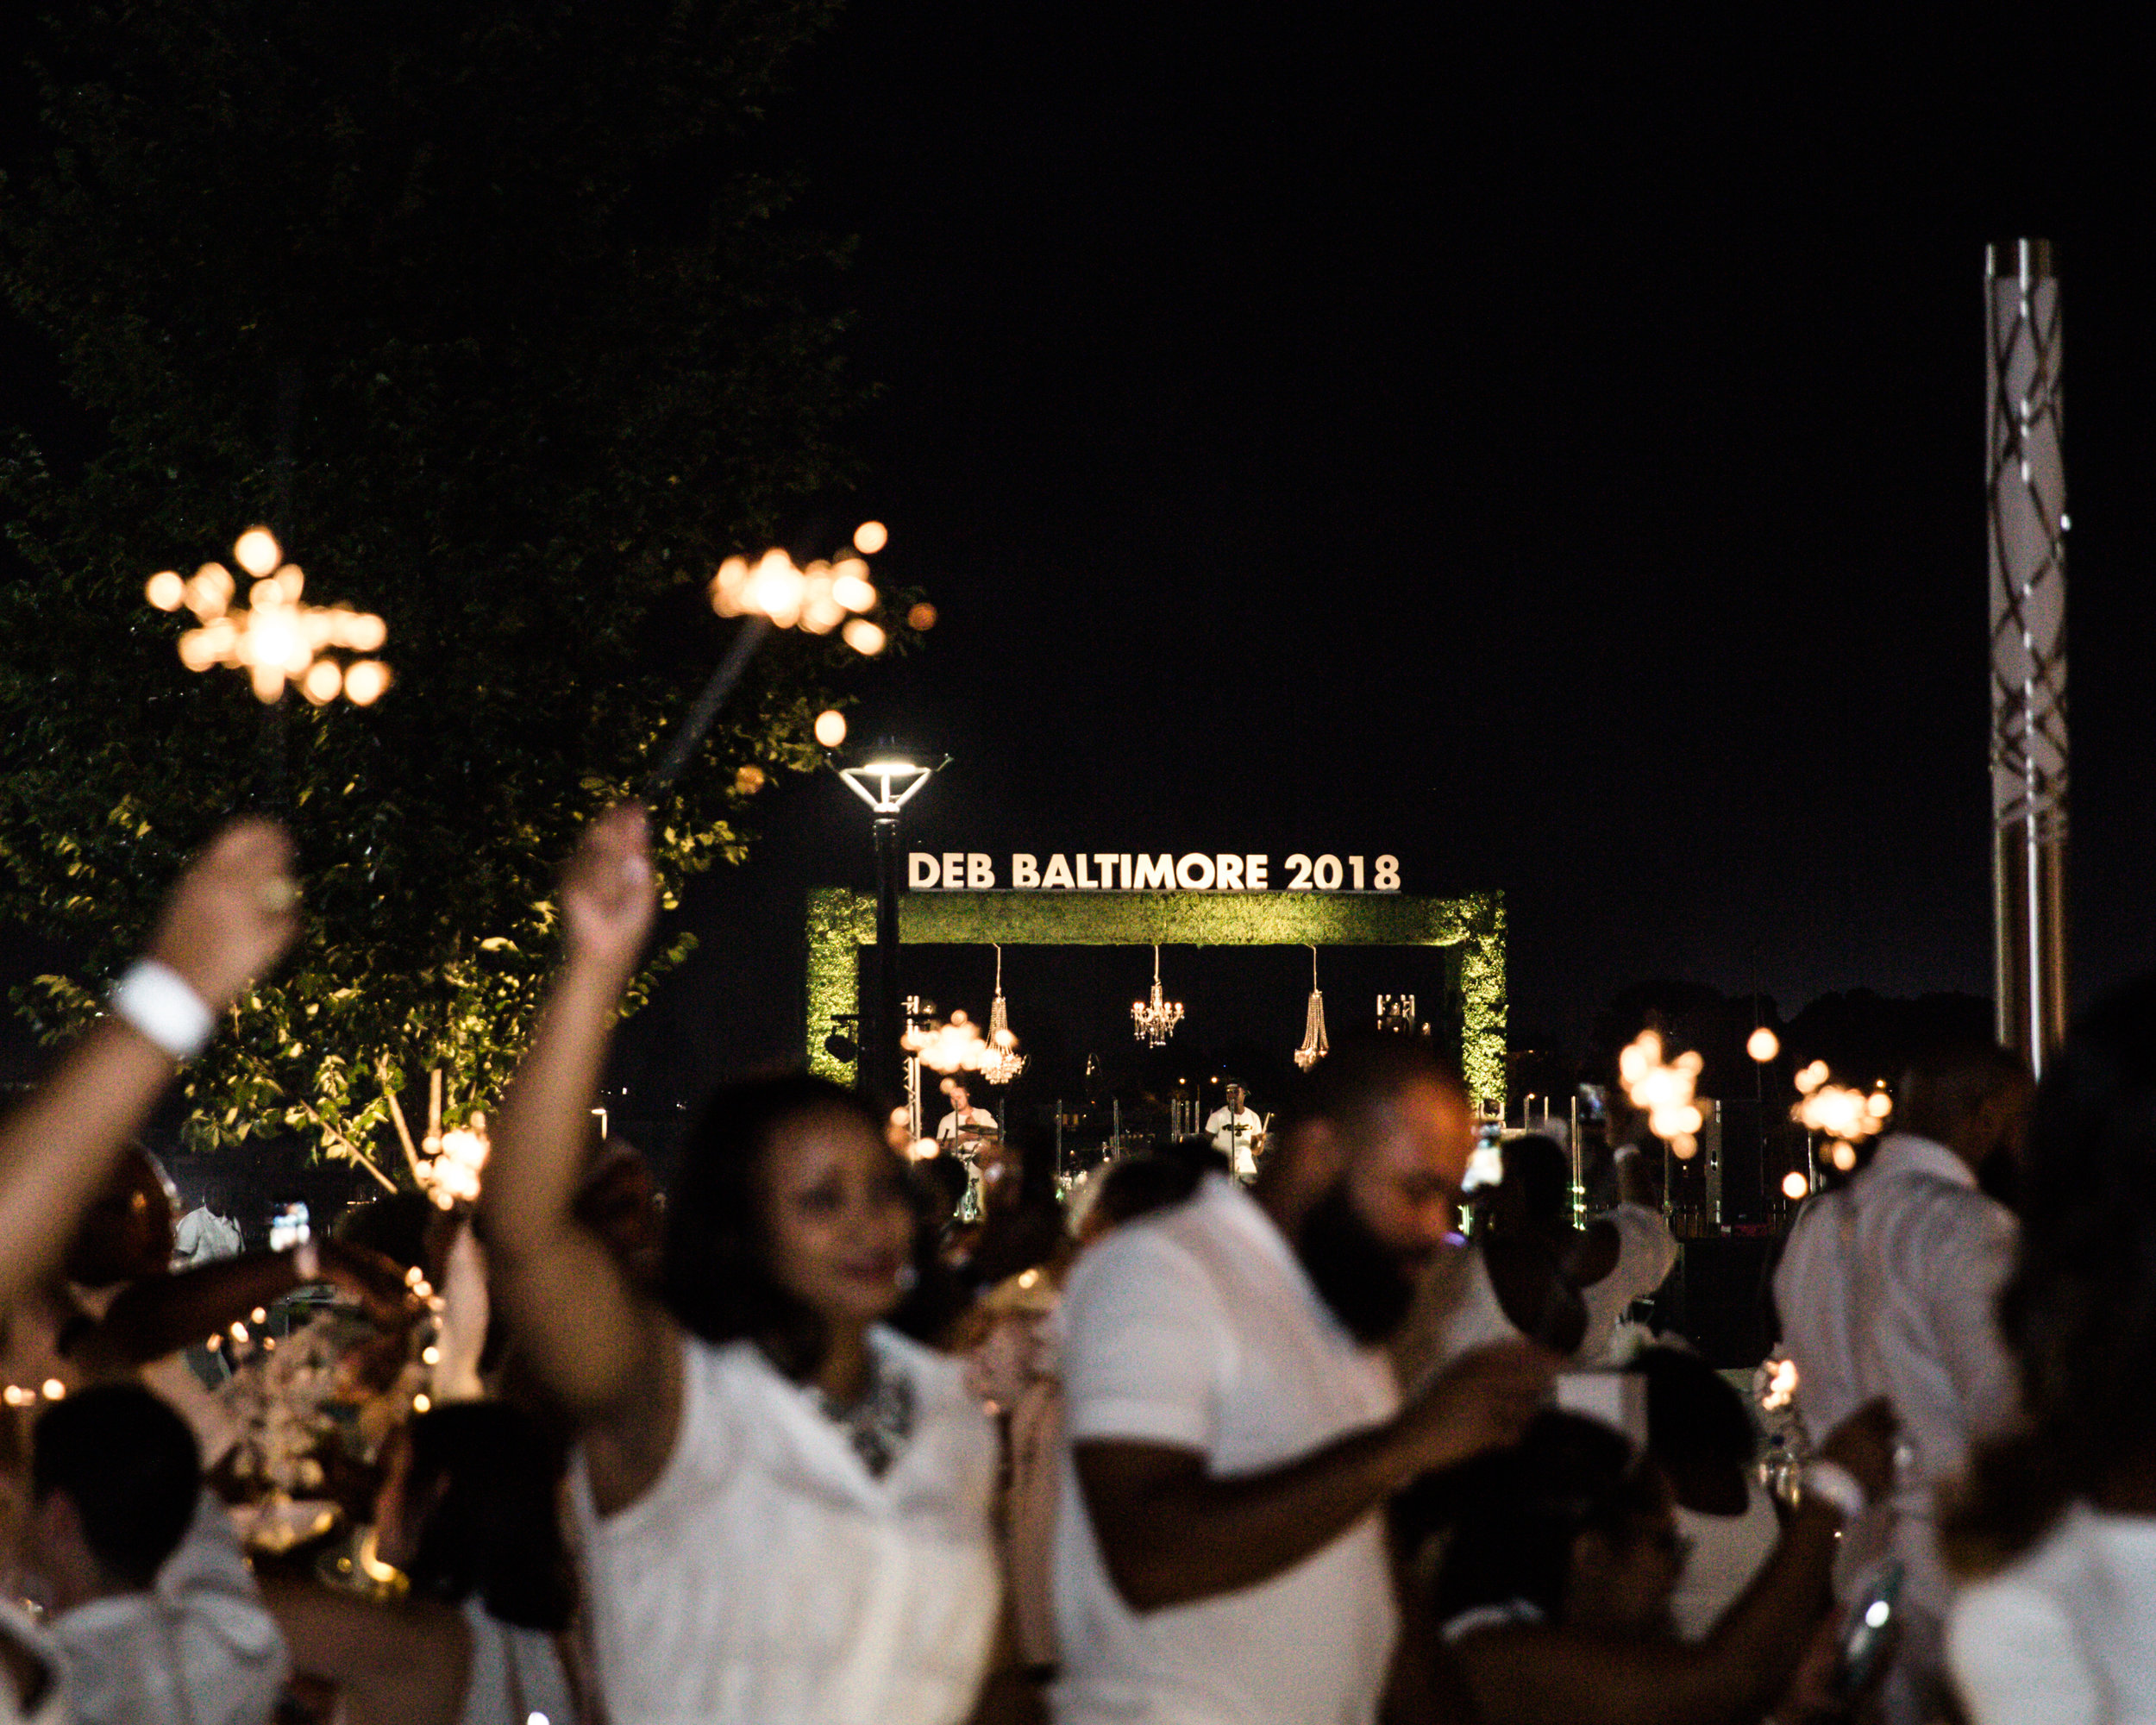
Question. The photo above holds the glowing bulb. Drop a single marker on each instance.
(430, 1356)
(1795, 1185)
(1811, 1077)
(260, 1314)
(1763, 1044)
(255, 551)
(164, 590)
(926, 1148)
(851, 589)
(420, 1402)
(830, 727)
(323, 680)
(922, 617)
(365, 632)
(1878, 1105)
(870, 537)
(53, 1389)
(364, 682)
(865, 637)
(1843, 1156)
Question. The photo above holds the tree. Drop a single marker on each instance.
(484, 306)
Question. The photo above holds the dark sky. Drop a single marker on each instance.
(1547, 446)
(1551, 450)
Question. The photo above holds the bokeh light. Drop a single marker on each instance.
(255, 551)
(830, 727)
(922, 617)
(1763, 1044)
(865, 637)
(1795, 1186)
(870, 537)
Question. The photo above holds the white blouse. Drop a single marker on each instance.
(2064, 1636)
(768, 1578)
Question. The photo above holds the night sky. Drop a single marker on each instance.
(1553, 452)
(1549, 449)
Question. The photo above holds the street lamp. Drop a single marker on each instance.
(886, 781)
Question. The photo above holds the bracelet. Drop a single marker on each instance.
(157, 1000)
(307, 1261)
(1834, 1486)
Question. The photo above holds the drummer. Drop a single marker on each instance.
(965, 1126)
(1237, 1133)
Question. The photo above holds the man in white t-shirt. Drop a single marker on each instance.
(202, 1236)
(1234, 1428)
(964, 1120)
(1236, 1130)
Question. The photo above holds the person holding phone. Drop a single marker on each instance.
(1552, 1596)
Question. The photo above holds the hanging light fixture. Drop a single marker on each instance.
(1154, 1020)
(1313, 1044)
(1004, 1061)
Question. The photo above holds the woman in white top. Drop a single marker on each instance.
(2054, 1530)
(786, 1504)
(468, 1509)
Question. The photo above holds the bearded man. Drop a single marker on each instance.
(1234, 1426)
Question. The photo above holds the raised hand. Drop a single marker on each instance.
(373, 1283)
(233, 914)
(608, 895)
(1482, 1402)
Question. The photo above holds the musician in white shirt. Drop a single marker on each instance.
(1237, 1133)
(964, 1118)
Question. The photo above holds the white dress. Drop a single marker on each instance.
(2066, 1636)
(768, 1578)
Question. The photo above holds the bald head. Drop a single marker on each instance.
(1387, 1118)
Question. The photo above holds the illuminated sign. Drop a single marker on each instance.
(1124, 871)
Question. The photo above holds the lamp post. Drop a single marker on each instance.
(886, 782)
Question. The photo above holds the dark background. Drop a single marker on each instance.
(1550, 449)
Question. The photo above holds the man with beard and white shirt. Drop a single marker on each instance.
(1234, 1427)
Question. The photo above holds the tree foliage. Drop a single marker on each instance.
(486, 307)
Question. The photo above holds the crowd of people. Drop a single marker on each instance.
(1237, 1433)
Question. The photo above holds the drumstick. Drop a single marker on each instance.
(697, 723)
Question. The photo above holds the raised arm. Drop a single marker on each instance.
(160, 1313)
(1536, 1675)
(229, 921)
(605, 1352)
(1170, 1532)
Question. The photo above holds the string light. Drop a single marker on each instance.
(276, 638)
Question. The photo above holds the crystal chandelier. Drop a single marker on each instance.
(1154, 1020)
(1313, 1044)
(1004, 1061)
